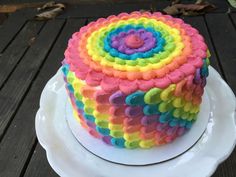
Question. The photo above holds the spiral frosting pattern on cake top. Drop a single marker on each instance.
(136, 80)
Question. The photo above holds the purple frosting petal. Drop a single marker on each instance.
(134, 111)
(118, 43)
(197, 77)
(146, 120)
(118, 98)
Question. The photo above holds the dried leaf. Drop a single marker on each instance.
(171, 10)
(200, 2)
(232, 3)
(47, 5)
(48, 14)
(55, 10)
(192, 7)
(188, 9)
(191, 13)
(175, 2)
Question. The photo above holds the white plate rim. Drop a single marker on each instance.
(217, 160)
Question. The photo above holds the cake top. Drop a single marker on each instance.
(136, 50)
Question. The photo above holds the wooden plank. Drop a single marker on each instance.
(227, 169)
(21, 132)
(233, 17)
(3, 17)
(39, 166)
(199, 23)
(104, 10)
(11, 26)
(9, 8)
(221, 6)
(17, 49)
(20, 1)
(14, 90)
(75, 1)
(224, 36)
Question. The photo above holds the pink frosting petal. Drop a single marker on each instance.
(128, 86)
(94, 78)
(176, 76)
(200, 53)
(110, 84)
(195, 61)
(162, 82)
(145, 85)
(187, 69)
(117, 111)
(102, 97)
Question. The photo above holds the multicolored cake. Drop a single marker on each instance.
(136, 80)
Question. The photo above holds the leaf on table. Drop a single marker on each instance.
(189, 9)
(52, 10)
(171, 10)
(47, 5)
(199, 1)
(175, 2)
(232, 3)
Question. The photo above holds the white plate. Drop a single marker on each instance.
(69, 159)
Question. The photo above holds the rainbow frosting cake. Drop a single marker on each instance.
(136, 80)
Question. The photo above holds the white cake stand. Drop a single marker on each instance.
(70, 159)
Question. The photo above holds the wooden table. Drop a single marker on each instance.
(31, 52)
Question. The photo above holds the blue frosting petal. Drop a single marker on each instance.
(118, 142)
(103, 131)
(89, 117)
(135, 99)
(151, 109)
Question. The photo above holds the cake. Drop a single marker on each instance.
(136, 80)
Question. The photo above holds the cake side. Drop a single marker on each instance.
(136, 80)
